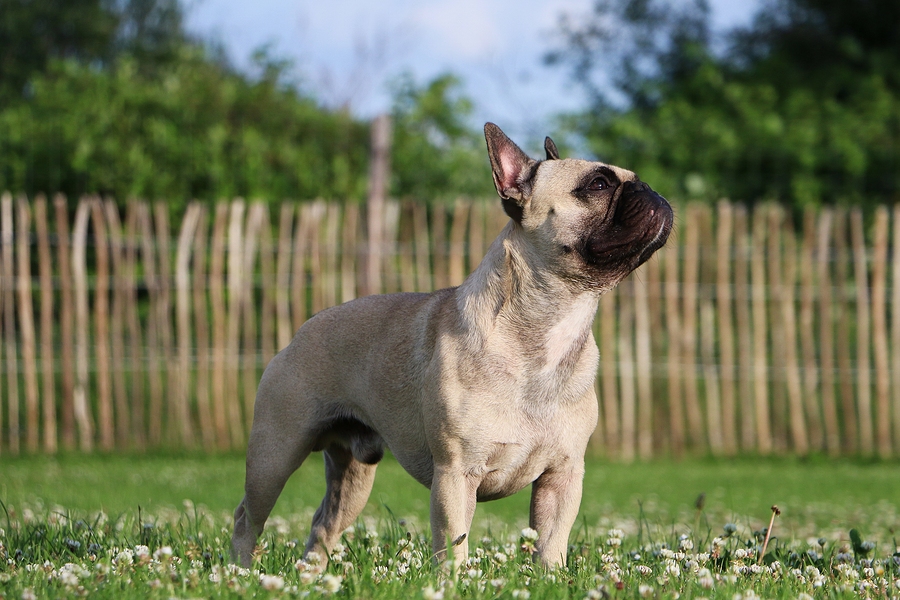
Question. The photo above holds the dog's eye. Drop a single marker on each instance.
(598, 184)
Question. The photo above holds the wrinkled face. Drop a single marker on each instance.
(597, 222)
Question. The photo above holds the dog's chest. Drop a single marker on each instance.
(514, 456)
(509, 468)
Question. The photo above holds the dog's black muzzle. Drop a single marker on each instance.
(647, 214)
(640, 225)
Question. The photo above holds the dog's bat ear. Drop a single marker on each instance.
(513, 170)
(550, 149)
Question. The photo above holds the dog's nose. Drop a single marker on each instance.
(635, 187)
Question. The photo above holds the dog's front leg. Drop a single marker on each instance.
(555, 497)
(453, 498)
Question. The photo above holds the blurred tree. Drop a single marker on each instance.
(803, 106)
(113, 97)
(34, 32)
(435, 153)
(195, 131)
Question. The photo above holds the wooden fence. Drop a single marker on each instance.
(747, 333)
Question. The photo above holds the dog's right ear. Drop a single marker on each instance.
(513, 171)
(550, 149)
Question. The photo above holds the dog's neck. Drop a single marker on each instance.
(515, 296)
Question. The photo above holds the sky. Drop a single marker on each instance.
(347, 51)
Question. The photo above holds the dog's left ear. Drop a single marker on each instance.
(513, 171)
(550, 149)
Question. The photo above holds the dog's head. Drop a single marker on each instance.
(594, 222)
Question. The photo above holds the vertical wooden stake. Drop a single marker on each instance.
(8, 279)
(82, 318)
(725, 261)
(48, 363)
(283, 275)
(807, 330)
(183, 332)
(760, 353)
(674, 361)
(379, 176)
(66, 322)
(643, 364)
(863, 333)
(826, 331)
(26, 320)
(798, 429)
(880, 334)
(201, 333)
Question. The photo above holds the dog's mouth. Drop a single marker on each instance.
(639, 225)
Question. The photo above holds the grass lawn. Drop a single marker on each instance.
(157, 526)
(826, 493)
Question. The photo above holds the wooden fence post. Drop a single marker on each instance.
(79, 276)
(725, 260)
(760, 355)
(201, 292)
(48, 362)
(105, 417)
(379, 171)
(7, 277)
(26, 323)
(183, 331)
(825, 228)
(880, 334)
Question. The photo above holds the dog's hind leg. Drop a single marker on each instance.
(349, 482)
(271, 459)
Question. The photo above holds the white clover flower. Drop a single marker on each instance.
(163, 554)
(674, 570)
(67, 579)
(804, 596)
(615, 533)
(429, 593)
(741, 554)
(614, 542)
(500, 558)
(125, 557)
(332, 583)
(530, 534)
(272, 583)
(380, 573)
(705, 579)
(308, 577)
(28, 594)
(644, 570)
(645, 590)
(498, 582)
(523, 594)
(594, 595)
(666, 553)
(685, 543)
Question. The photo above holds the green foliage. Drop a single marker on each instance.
(123, 103)
(435, 153)
(197, 131)
(803, 108)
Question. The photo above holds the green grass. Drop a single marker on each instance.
(89, 510)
